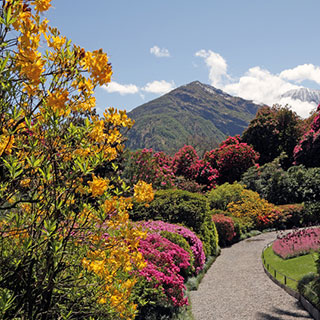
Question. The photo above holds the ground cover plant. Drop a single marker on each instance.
(297, 243)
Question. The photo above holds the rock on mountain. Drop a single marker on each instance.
(196, 114)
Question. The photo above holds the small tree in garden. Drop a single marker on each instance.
(67, 247)
(307, 150)
(273, 131)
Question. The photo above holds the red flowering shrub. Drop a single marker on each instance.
(231, 159)
(297, 243)
(225, 228)
(208, 175)
(307, 150)
(151, 167)
(186, 163)
(164, 263)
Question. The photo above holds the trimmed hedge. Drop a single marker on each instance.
(181, 207)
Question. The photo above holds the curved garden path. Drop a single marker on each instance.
(237, 288)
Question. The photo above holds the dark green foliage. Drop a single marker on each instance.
(273, 131)
(312, 213)
(181, 207)
(309, 287)
(273, 183)
(182, 243)
(194, 114)
(220, 197)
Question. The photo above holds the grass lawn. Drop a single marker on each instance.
(294, 268)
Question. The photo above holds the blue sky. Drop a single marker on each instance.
(250, 48)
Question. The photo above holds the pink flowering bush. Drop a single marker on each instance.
(164, 263)
(194, 242)
(186, 163)
(151, 167)
(307, 150)
(297, 243)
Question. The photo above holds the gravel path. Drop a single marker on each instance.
(237, 288)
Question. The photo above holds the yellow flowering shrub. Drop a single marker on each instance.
(252, 210)
(68, 247)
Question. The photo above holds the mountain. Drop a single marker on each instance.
(303, 94)
(196, 114)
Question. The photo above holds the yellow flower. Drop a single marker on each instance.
(6, 144)
(143, 192)
(98, 186)
(41, 5)
(58, 100)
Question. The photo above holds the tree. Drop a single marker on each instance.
(68, 249)
(274, 130)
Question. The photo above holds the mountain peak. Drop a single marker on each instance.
(303, 94)
(195, 113)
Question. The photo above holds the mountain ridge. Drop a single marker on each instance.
(194, 113)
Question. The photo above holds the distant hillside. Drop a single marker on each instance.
(195, 113)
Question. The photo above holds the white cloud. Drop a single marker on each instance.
(217, 66)
(301, 73)
(123, 89)
(260, 85)
(159, 53)
(159, 87)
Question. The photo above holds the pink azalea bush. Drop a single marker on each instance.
(165, 260)
(297, 243)
(186, 163)
(194, 242)
(307, 150)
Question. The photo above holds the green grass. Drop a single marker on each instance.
(294, 268)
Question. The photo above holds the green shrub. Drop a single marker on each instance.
(181, 207)
(220, 197)
(294, 213)
(311, 213)
(307, 287)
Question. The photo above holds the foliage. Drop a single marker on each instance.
(220, 197)
(63, 226)
(193, 241)
(307, 150)
(295, 214)
(231, 159)
(225, 228)
(189, 185)
(297, 243)
(295, 185)
(181, 207)
(273, 131)
(151, 167)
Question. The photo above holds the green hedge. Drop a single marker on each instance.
(186, 208)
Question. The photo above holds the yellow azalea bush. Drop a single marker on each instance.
(253, 211)
(69, 250)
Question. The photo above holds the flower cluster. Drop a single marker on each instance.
(164, 263)
(195, 243)
(297, 243)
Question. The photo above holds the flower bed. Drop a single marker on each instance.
(297, 243)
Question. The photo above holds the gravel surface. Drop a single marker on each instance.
(237, 288)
